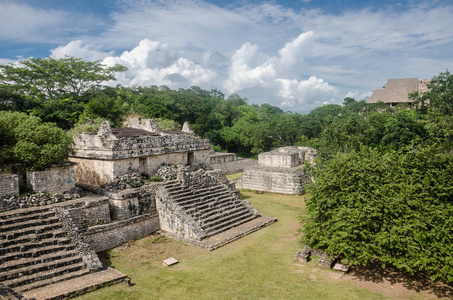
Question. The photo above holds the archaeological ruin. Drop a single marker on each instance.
(121, 184)
(279, 171)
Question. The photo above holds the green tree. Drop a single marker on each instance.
(49, 78)
(27, 140)
(439, 96)
(394, 208)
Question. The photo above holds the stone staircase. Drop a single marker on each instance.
(35, 250)
(214, 209)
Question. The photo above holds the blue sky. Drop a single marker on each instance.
(294, 54)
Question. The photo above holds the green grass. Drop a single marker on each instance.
(234, 176)
(258, 266)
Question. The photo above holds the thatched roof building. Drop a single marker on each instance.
(396, 91)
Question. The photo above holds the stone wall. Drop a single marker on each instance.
(275, 180)
(56, 179)
(97, 147)
(172, 219)
(93, 171)
(89, 212)
(279, 159)
(220, 158)
(100, 171)
(133, 202)
(9, 185)
(108, 236)
(106, 222)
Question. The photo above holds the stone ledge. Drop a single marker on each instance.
(77, 286)
(117, 224)
(228, 236)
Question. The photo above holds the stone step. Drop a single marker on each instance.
(33, 230)
(192, 192)
(212, 216)
(20, 218)
(50, 279)
(35, 237)
(224, 220)
(30, 223)
(209, 189)
(225, 205)
(74, 287)
(180, 193)
(27, 246)
(22, 212)
(40, 267)
(35, 252)
(230, 225)
(206, 204)
(203, 197)
(23, 262)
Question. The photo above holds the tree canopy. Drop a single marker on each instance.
(27, 140)
(50, 78)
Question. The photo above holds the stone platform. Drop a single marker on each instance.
(228, 236)
(80, 285)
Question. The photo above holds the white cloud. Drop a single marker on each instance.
(79, 50)
(306, 93)
(293, 51)
(358, 95)
(242, 75)
(143, 67)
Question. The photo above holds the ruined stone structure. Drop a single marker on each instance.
(9, 185)
(56, 240)
(396, 91)
(279, 171)
(219, 158)
(142, 147)
(56, 179)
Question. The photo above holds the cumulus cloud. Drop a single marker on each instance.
(293, 51)
(80, 50)
(242, 75)
(310, 93)
(246, 72)
(143, 63)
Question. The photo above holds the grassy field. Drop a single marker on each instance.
(258, 266)
(234, 176)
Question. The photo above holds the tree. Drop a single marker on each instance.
(439, 96)
(27, 140)
(394, 208)
(49, 78)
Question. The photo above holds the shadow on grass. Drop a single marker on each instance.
(376, 274)
(105, 258)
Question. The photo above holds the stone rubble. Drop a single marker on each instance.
(38, 199)
(133, 180)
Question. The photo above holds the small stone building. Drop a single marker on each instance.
(279, 171)
(139, 147)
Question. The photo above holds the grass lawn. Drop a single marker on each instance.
(234, 176)
(258, 266)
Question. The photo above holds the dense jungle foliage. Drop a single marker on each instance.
(382, 188)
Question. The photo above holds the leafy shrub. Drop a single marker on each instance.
(395, 208)
(26, 139)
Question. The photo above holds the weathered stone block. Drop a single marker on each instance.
(9, 185)
(56, 179)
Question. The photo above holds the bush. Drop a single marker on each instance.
(394, 208)
(26, 139)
